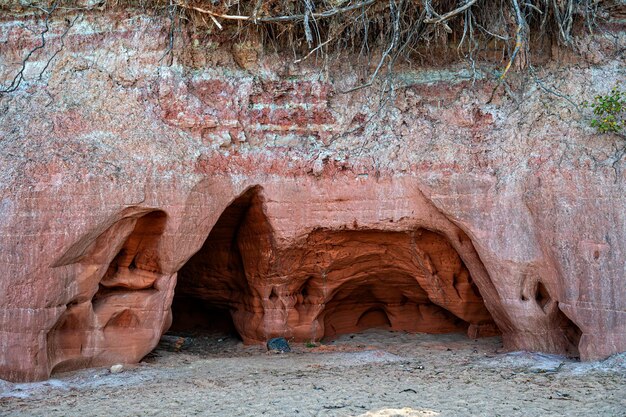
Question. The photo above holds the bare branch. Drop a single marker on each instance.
(171, 11)
(541, 85)
(255, 12)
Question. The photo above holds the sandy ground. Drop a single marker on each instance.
(375, 373)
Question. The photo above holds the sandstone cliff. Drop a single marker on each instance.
(247, 185)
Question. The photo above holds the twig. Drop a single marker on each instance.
(550, 91)
(532, 6)
(560, 19)
(495, 35)
(451, 14)
(217, 23)
(297, 61)
(255, 12)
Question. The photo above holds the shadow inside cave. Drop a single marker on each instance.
(212, 295)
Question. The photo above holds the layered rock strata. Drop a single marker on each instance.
(262, 198)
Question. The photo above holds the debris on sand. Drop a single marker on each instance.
(278, 345)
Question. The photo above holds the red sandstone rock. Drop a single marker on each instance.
(124, 191)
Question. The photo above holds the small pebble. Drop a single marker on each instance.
(117, 368)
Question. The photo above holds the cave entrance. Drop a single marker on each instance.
(402, 281)
(212, 286)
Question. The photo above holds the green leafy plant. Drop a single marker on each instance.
(609, 110)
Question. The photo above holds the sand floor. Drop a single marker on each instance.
(375, 373)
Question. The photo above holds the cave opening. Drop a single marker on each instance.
(400, 281)
(212, 285)
(334, 282)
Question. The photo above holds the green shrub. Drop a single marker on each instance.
(609, 110)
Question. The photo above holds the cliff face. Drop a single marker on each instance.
(235, 182)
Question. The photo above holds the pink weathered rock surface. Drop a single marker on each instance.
(127, 184)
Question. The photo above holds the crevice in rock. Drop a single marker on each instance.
(304, 291)
(273, 296)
